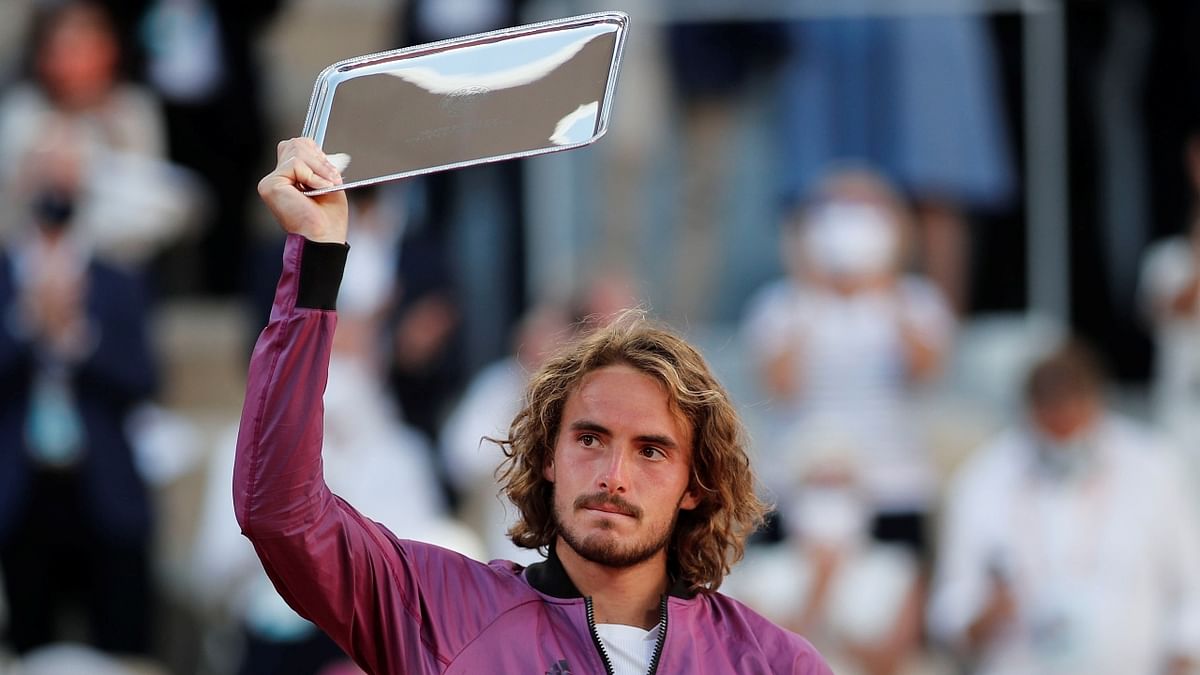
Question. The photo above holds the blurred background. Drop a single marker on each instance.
(876, 217)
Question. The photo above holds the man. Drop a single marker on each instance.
(625, 463)
(76, 518)
(1071, 545)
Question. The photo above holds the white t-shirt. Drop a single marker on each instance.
(852, 379)
(629, 648)
(1104, 565)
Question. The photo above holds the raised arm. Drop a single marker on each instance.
(345, 573)
(396, 606)
(278, 469)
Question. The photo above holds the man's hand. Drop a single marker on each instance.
(302, 166)
(1000, 612)
(54, 311)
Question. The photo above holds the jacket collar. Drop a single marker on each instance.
(550, 577)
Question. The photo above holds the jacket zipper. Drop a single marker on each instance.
(591, 619)
(662, 635)
(658, 645)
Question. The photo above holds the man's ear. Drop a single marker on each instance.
(691, 496)
(548, 468)
(690, 499)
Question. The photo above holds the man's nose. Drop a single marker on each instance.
(612, 480)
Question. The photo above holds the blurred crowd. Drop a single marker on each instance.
(827, 205)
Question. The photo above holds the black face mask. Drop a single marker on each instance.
(52, 209)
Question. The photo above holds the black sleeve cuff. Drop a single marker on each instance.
(321, 267)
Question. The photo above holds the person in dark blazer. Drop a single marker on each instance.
(75, 359)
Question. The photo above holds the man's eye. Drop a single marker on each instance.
(651, 452)
(588, 440)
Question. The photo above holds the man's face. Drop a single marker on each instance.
(620, 469)
(1067, 419)
(78, 60)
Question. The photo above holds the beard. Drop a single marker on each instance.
(604, 547)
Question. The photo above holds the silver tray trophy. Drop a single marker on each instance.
(515, 92)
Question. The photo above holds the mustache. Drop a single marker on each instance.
(609, 500)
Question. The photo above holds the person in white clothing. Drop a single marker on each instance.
(1071, 543)
(72, 111)
(844, 342)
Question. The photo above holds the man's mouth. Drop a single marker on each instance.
(608, 505)
(604, 508)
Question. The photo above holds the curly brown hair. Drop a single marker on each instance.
(709, 539)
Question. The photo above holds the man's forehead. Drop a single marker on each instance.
(622, 394)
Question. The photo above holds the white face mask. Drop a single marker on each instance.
(847, 239)
(1064, 459)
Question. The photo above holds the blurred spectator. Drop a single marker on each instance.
(604, 295)
(128, 202)
(1170, 290)
(426, 363)
(487, 407)
(638, 135)
(371, 458)
(711, 66)
(199, 56)
(841, 345)
(369, 292)
(916, 95)
(425, 371)
(844, 341)
(858, 600)
(429, 20)
(75, 517)
(1071, 542)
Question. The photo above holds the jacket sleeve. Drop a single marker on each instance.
(340, 570)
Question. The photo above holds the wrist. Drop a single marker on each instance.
(323, 237)
(321, 268)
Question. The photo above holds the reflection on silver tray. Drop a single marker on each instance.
(511, 93)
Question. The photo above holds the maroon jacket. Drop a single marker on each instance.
(404, 607)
